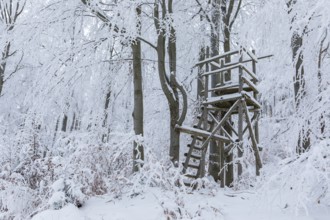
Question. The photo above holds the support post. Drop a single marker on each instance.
(201, 171)
(255, 96)
(240, 120)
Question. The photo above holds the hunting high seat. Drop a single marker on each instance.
(228, 115)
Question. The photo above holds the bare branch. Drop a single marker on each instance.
(236, 14)
(106, 20)
(204, 12)
(147, 42)
(17, 68)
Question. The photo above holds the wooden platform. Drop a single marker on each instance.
(226, 101)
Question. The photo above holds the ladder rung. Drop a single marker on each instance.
(187, 184)
(192, 166)
(210, 111)
(195, 147)
(201, 127)
(194, 156)
(191, 176)
(197, 137)
(196, 126)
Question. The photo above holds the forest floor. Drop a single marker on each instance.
(205, 204)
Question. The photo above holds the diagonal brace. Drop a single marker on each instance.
(223, 120)
(254, 141)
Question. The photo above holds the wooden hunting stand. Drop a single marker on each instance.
(228, 116)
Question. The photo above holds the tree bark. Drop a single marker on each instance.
(323, 50)
(106, 115)
(299, 80)
(215, 149)
(64, 123)
(169, 84)
(3, 64)
(138, 150)
(175, 106)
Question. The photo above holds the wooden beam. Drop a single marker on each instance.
(247, 61)
(215, 64)
(224, 130)
(228, 148)
(193, 142)
(202, 133)
(221, 70)
(253, 57)
(232, 128)
(244, 61)
(223, 98)
(254, 76)
(251, 84)
(223, 120)
(229, 53)
(251, 99)
(254, 141)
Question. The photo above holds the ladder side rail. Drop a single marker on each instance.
(191, 149)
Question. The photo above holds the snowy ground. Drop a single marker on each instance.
(156, 204)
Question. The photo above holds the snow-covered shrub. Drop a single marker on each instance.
(65, 191)
(85, 167)
(302, 181)
(17, 201)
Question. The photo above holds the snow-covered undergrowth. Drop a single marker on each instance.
(300, 182)
(71, 171)
(85, 185)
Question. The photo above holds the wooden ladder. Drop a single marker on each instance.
(194, 164)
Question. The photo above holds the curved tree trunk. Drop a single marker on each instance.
(169, 84)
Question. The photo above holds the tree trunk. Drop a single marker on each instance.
(3, 64)
(215, 151)
(299, 90)
(199, 80)
(297, 56)
(322, 52)
(138, 150)
(64, 123)
(227, 77)
(105, 120)
(299, 82)
(175, 106)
